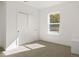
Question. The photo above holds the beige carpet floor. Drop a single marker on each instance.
(51, 50)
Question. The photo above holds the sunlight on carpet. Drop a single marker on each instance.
(23, 48)
(34, 46)
(16, 50)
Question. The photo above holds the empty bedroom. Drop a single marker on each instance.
(39, 29)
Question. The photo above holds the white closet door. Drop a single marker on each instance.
(22, 28)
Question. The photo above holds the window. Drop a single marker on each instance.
(54, 22)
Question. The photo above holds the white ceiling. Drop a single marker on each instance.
(43, 4)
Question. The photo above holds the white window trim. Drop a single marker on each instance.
(52, 32)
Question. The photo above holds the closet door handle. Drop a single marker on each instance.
(18, 31)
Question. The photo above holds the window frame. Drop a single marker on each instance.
(52, 32)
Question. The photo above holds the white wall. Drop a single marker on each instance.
(75, 30)
(33, 22)
(62, 37)
(2, 24)
(69, 30)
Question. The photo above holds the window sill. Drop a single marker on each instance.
(53, 33)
